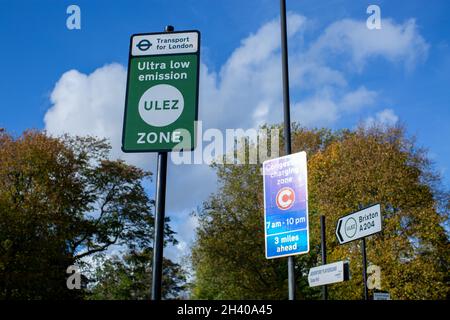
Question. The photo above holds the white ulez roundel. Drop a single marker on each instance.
(161, 105)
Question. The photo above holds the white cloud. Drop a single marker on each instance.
(319, 110)
(358, 99)
(93, 105)
(325, 109)
(395, 42)
(244, 93)
(384, 117)
(257, 48)
(248, 81)
(307, 74)
(85, 104)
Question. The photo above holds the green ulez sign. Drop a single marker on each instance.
(161, 104)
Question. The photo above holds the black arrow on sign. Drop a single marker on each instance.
(338, 233)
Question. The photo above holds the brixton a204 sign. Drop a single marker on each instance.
(161, 104)
(286, 206)
(359, 224)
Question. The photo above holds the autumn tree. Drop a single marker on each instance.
(346, 169)
(62, 200)
(228, 256)
(129, 277)
(381, 165)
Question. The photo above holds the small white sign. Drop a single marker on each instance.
(326, 274)
(381, 296)
(164, 43)
(359, 224)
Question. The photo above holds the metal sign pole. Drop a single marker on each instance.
(324, 253)
(160, 208)
(348, 229)
(364, 261)
(158, 244)
(287, 123)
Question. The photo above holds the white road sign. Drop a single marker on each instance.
(381, 296)
(360, 224)
(164, 43)
(328, 273)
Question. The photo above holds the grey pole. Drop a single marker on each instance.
(324, 253)
(364, 261)
(158, 244)
(287, 123)
(285, 70)
(160, 207)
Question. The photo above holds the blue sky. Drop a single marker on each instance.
(409, 83)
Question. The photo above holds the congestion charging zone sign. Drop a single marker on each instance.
(161, 104)
(286, 206)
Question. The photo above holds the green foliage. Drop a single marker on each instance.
(61, 200)
(228, 256)
(379, 165)
(345, 169)
(129, 277)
